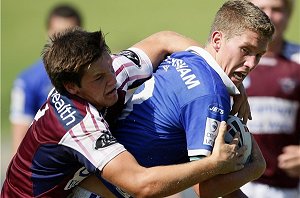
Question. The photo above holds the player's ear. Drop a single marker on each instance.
(71, 87)
(216, 40)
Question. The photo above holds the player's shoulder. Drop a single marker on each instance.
(36, 66)
(132, 67)
(33, 80)
(67, 110)
(193, 60)
(196, 68)
(37, 69)
(291, 51)
(193, 55)
(132, 56)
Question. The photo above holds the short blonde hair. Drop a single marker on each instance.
(237, 16)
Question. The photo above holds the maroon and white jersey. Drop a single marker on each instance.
(69, 138)
(273, 89)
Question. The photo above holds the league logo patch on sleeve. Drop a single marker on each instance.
(131, 56)
(105, 139)
(211, 131)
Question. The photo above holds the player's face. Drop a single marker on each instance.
(277, 12)
(240, 54)
(98, 84)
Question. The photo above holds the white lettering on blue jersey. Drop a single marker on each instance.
(185, 73)
(216, 109)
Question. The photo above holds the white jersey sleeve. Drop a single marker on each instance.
(132, 68)
(91, 137)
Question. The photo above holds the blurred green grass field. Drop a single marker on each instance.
(23, 31)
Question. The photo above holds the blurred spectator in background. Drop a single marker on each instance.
(274, 95)
(32, 86)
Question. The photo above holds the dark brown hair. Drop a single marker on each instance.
(68, 53)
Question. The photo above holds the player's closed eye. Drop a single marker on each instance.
(99, 77)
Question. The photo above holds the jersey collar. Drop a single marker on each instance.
(231, 88)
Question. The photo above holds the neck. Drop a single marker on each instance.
(210, 50)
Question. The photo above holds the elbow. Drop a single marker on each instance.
(258, 160)
(260, 168)
(145, 192)
(146, 187)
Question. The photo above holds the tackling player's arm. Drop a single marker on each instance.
(221, 185)
(125, 172)
(159, 45)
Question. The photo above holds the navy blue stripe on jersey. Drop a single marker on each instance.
(67, 113)
(48, 172)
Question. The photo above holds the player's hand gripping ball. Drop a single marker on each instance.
(235, 124)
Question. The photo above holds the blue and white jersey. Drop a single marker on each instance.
(176, 114)
(29, 93)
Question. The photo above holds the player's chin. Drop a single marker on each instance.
(111, 98)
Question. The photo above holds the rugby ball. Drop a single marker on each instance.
(235, 124)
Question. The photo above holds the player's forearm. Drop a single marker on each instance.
(157, 181)
(224, 159)
(225, 184)
(165, 181)
(160, 44)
